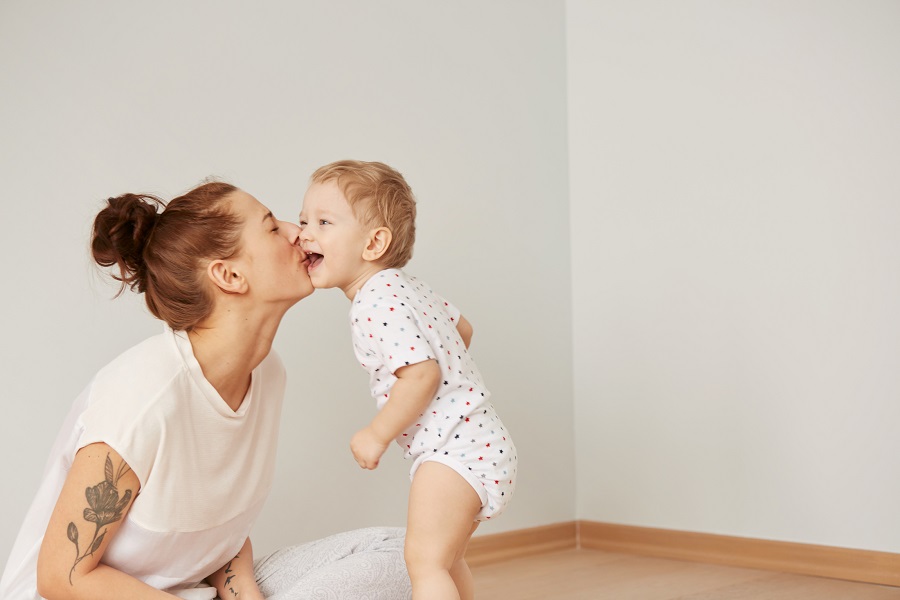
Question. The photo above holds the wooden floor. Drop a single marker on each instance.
(596, 575)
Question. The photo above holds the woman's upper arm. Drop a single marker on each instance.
(95, 497)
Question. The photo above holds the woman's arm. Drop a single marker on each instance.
(96, 496)
(416, 385)
(236, 579)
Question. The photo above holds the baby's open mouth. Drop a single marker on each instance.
(314, 259)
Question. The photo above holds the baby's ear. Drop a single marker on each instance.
(379, 242)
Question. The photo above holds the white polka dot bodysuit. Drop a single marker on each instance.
(397, 320)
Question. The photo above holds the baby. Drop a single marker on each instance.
(358, 228)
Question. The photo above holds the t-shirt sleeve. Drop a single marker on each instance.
(136, 438)
(392, 332)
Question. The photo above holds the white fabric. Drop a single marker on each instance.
(363, 564)
(398, 320)
(205, 470)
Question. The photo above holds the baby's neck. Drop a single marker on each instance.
(364, 275)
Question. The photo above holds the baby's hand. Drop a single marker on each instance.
(367, 448)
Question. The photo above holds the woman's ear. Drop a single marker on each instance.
(379, 241)
(224, 277)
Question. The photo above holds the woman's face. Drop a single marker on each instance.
(270, 256)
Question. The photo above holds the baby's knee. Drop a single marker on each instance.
(423, 557)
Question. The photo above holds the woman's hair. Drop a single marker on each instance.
(379, 197)
(164, 254)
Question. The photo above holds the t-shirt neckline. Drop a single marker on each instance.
(186, 350)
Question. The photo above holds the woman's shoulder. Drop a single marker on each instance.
(149, 356)
(144, 369)
(129, 401)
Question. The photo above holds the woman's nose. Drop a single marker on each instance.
(291, 231)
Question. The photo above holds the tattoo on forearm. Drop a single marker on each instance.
(104, 507)
(228, 579)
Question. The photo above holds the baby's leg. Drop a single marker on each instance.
(442, 510)
(460, 572)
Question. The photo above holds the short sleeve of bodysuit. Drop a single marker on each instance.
(391, 333)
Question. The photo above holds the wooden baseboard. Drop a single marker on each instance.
(495, 547)
(787, 557)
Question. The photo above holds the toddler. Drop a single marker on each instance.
(358, 228)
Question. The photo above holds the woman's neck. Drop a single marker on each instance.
(228, 347)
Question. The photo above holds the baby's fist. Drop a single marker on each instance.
(367, 448)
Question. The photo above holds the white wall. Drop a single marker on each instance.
(733, 215)
(467, 99)
(735, 210)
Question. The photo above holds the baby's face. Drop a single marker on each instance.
(332, 237)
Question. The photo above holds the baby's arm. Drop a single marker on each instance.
(416, 385)
(465, 330)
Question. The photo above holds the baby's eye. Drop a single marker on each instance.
(323, 222)
(302, 223)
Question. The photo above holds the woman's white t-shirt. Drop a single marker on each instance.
(205, 470)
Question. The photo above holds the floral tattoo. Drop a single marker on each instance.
(104, 507)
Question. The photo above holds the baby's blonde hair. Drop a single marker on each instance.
(379, 197)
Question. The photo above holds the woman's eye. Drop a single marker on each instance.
(274, 230)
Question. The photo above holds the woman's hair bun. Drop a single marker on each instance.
(121, 232)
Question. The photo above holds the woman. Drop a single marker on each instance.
(166, 458)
